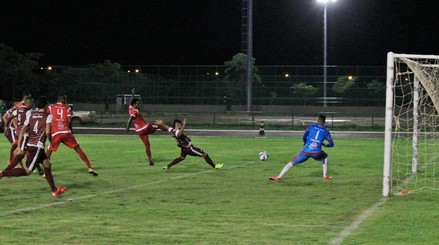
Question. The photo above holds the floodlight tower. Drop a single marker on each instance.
(325, 49)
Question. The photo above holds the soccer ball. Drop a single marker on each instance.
(263, 155)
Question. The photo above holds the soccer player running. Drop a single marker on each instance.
(10, 126)
(313, 140)
(185, 144)
(62, 131)
(17, 118)
(38, 124)
(142, 127)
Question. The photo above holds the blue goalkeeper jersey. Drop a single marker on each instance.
(313, 138)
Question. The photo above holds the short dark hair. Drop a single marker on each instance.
(28, 98)
(134, 101)
(26, 94)
(322, 117)
(175, 122)
(42, 102)
(62, 97)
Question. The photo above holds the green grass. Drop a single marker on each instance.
(132, 203)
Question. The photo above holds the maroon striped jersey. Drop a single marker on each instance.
(36, 122)
(182, 141)
(20, 113)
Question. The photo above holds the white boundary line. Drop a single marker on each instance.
(363, 216)
(357, 222)
(70, 200)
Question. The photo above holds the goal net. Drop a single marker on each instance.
(411, 144)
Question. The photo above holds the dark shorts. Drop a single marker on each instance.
(192, 151)
(35, 156)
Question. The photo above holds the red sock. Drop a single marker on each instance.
(49, 178)
(84, 158)
(148, 152)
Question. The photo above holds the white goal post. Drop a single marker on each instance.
(411, 137)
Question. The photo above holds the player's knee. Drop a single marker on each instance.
(182, 157)
(28, 171)
(46, 163)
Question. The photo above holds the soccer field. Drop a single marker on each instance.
(133, 203)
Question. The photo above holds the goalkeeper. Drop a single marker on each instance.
(313, 140)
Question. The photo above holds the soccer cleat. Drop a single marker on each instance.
(274, 178)
(165, 167)
(151, 163)
(59, 191)
(93, 172)
(219, 165)
(326, 177)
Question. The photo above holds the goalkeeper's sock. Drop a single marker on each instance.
(285, 169)
(325, 167)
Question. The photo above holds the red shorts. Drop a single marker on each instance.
(67, 139)
(147, 131)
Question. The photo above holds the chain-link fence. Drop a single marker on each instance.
(206, 85)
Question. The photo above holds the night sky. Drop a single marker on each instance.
(208, 32)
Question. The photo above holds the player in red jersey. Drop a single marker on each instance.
(62, 133)
(184, 142)
(143, 128)
(38, 124)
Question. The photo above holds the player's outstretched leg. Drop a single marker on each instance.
(210, 162)
(175, 161)
(84, 158)
(284, 170)
(49, 177)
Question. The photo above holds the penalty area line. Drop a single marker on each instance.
(70, 200)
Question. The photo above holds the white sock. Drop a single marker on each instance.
(325, 167)
(285, 169)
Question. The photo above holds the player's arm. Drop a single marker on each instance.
(330, 141)
(49, 129)
(69, 119)
(4, 119)
(183, 125)
(20, 139)
(305, 136)
(7, 119)
(127, 129)
(132, 95)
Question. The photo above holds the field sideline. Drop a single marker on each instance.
(132, 203)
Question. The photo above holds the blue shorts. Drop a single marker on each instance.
(303, 156)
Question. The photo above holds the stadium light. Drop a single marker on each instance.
(325, 49)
